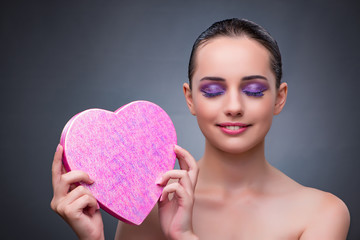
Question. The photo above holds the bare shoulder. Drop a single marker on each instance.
(328, 216)
(324, 202)
(320, 214)
(149, 229)
(314, 199)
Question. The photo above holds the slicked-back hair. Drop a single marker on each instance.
(237, 28)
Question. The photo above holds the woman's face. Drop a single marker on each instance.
(233, 94)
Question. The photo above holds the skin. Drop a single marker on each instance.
(232, 192)
(76, 205)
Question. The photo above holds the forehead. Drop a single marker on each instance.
(232, 56)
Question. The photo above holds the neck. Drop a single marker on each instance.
(234, 171)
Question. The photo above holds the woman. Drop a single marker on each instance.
(232, 192)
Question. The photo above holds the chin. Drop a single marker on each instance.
(237, 147)
(236, 150)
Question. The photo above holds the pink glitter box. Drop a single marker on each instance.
(124, 152)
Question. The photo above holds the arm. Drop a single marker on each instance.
(75, 204)
(330, 221)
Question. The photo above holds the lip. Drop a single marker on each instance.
(233, 128)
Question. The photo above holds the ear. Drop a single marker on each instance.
(280, 98)
(188, 98)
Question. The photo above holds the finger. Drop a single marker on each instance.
(83, 204)
(57, 165)
(87, 203)
(72, 177)
(75, 194)
(179, 192)
(181, 175)
(187, 162)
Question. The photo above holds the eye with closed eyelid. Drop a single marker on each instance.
(212, 90)
(254, 89)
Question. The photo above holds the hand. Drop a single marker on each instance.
(75, 204)
(176, 213)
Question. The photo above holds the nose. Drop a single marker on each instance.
(233, 104)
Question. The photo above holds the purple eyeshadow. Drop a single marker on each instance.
(254, 89)
(212, 90)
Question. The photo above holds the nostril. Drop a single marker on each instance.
(234, 113)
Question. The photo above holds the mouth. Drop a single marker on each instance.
(233, 128)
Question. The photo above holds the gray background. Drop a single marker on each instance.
(61, 57)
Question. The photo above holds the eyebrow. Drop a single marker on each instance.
(220, 79)
(254, 77)
(213, 79)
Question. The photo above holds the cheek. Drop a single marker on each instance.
(261, 115)
(262, 110)
(205, 109)
(205, 115)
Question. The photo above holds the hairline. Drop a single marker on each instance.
(202, 43)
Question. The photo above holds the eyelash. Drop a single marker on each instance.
(210, 95)
(254, 94)
(248, 93)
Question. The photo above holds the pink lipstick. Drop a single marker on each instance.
(233, 128)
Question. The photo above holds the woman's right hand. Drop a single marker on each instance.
(75, 204)
(176, 212)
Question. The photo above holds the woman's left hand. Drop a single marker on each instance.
(176, 212)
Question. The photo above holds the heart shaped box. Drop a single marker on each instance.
(124, 152)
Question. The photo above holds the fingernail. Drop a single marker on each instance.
(58, 147)
(177, 146)
(158, 181)
(91, 180)
(97, 205)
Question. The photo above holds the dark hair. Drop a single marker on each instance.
(236, 28)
